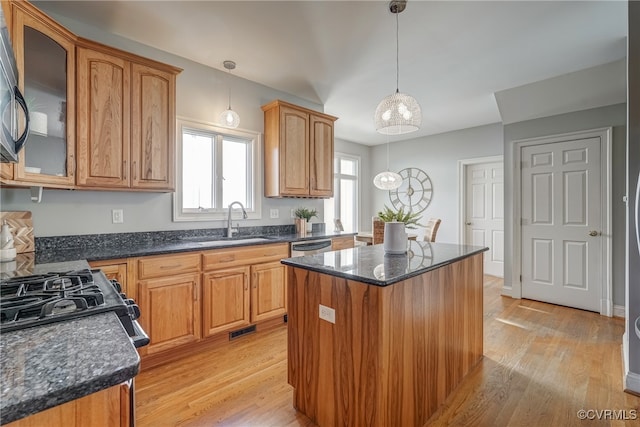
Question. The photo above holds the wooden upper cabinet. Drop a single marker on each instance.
(152, 127)
(126, 130)
(298, 151)
(104, 99)
(321, 160)
(45, 56)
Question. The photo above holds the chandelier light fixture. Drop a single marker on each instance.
(387, 180)
(229, 118)
(398, 113)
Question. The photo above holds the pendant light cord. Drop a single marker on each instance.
(229, 87)
(397, 53)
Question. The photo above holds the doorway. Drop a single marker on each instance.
(562, 199)
(482, 209)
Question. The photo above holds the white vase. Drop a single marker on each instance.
(395, 238)
(309, 227)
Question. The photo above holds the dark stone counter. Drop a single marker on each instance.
(99, 247)
(44, 366)
(369, 264)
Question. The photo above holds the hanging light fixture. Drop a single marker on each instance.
(387, 180)
(229, 118)
(398, 113)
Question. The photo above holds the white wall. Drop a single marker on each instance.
(438, 156)
(201, 94)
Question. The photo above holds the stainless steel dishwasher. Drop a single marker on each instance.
(310, 247)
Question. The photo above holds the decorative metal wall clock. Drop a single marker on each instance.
(415, 193)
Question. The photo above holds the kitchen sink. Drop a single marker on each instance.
(233, 241)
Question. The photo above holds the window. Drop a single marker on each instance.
(216, 166)
(345, 201)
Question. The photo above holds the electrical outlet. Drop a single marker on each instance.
(274, 213)
(293, 213)
(117, 216)
(328, 314)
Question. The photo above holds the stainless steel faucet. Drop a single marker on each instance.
(231, 230)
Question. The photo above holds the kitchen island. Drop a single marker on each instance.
(382, 340)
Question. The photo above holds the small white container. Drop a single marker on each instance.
(395, 238)
(7, 254)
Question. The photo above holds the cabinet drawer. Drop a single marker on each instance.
(168, 265)
(230, 257)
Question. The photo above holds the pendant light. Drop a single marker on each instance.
(387, 180)
(229, 118)
(398, 113)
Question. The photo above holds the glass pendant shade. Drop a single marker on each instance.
(387, 180)
(230, 118)
(398, 114)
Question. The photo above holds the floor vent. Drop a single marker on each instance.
(241, 332)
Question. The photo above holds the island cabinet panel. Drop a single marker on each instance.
(394, 354)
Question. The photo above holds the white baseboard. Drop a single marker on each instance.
(618, 311)
(630, 380)
(507, 291)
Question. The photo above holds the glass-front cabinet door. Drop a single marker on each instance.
(45, 55)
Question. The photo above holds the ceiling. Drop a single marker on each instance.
(454, 55)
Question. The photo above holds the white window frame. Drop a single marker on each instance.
(255, 185)
(336, 184)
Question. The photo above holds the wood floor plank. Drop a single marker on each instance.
(542, 363)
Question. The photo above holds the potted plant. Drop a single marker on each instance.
(409, 218)
(394, 224)
(303, 216)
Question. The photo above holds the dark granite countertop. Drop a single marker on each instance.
(105, 246)
(369, 264)
(44, 366)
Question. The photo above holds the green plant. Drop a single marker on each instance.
(305, 213)
(409, 218)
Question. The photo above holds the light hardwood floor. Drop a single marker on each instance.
(542, 364)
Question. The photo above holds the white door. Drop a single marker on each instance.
(561, 222)
(484, 217)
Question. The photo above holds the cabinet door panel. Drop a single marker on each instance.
(294, 146)
(225, 296)
(321, 160)
(103, 124)
(268, 291)
(152, 127)
(45, 56)
(170, 311)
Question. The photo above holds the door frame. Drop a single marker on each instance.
(462, 188)
(606, 291)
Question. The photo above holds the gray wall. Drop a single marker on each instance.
(614, 116)
(201, 94)
(438, 156)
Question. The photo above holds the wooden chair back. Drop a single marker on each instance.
(431, 229)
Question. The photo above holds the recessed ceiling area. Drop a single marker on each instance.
(454, 56)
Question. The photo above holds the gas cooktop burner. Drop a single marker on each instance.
(27, 301)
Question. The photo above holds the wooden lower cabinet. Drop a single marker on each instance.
(268, 291)
(106, 408)
(170, 311)
(114, 270)
(225, 300)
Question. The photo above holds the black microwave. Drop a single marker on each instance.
(13, 108)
